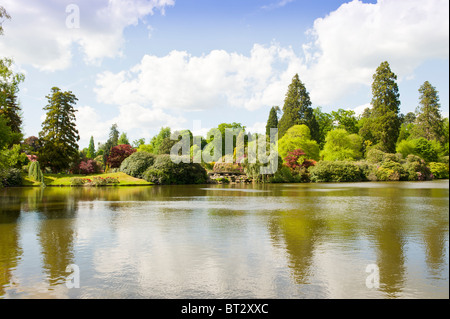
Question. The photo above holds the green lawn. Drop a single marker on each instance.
(64, 179)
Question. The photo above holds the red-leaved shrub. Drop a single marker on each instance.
(89, 167)
(118, 154)
(296, 159)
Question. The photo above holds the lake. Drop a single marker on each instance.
(345, 240)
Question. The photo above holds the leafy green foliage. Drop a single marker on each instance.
(59, 135)
(298, 137)
(297, 110)
(391, 171)
(272, 121)
(336, 171)
(429, 123)
(164, 172)
(123, 139)
(428, 150)
(345, 119)
(35, 172)
(325, 124)
(439, 170)
(137, 163)
(11, 177)
(340, 145)
(157, 140)
(384, 122)
(417, 169)
(91, 149)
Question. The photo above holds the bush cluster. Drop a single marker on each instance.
(439, 170)
(164, 171)
(89, 167)
(336, 171)
(137, 163)
(11, 177)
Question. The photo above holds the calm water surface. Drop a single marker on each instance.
(216, 241)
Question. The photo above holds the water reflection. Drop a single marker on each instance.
(226, 241)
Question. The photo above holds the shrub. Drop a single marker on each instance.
(89, 167)
(222, 167)
(137, 163)
(336, 171)
(104, 181)
(296, 159)
(439, 170)
(283, 175)
(11, 177)
(118, 154)
(391, 171)
(164, 171)
(374, 156)
(341, 145)
(416, 169)
(77, 181)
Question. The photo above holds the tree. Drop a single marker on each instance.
(91, 149)
(138, 142)
(123, 139)
(118, 154)
(385, 121)
(157, 140)
(9, 105)
(272, 121)
(298, 136)
(345, 119)
(222, 129)
(297, 110)
(407, 126)
(110, 143)
(31, 145)
(325, 123)
(5, 132)
(429, 123)
(3, 15)
(59, 135)
(341, 145)
(35, 172)
(114, 135)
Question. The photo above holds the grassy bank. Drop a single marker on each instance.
(64, 179)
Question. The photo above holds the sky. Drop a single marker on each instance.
(193, 64)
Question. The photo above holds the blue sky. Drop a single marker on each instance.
(145, 64)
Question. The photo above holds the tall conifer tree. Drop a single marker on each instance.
(429, 122)
(385, 119)
(272, 121)
(297, 110)
(59, 135)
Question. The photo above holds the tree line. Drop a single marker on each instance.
(306, 134)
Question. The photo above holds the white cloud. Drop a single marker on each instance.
(218, 79)
(348, 44)
(136, 120)
(38, 34)
(346, 48)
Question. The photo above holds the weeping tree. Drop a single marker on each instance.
(35, 173)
